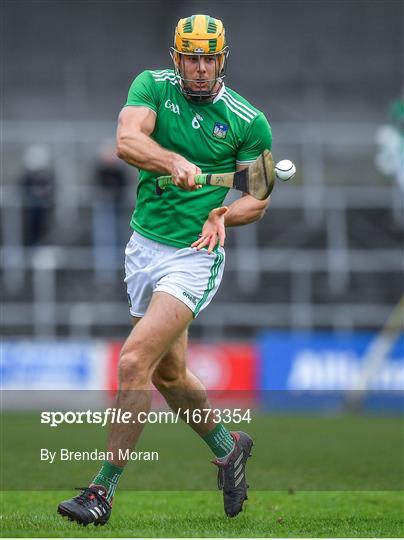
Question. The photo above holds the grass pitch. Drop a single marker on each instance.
(299, 453)
(311, 477)
(200, 514)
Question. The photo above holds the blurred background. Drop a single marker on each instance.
(308, 288)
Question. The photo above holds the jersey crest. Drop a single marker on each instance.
(220, 130)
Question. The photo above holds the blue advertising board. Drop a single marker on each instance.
(42, 365)
(322, 369)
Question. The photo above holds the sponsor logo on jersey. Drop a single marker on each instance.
(220, 130)
(195, 121)
(190, 297)
(172, 106)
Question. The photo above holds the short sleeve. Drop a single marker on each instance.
(143, 92)
(257, 139)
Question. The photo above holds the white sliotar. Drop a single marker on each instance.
(285, 170)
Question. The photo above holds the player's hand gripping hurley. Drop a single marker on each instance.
(257, 179)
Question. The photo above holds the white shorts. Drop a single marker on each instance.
(191, 276)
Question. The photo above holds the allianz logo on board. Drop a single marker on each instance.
(338, 370)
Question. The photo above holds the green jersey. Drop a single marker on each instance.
(215, 136)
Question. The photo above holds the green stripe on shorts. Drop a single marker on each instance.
(211, 281)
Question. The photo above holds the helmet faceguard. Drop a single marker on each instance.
(200, 36)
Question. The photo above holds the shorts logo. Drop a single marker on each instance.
(220, 130)
(190, 297)
(172, 106)
(129, 300)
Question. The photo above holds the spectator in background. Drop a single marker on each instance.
(108, 234)
(37, 183)
(390, 140)
(397, 113)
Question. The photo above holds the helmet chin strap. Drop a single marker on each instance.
(201, 95)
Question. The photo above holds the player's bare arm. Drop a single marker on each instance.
(136, 147)
(245, 210)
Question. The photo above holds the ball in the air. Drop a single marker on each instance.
(285, 170)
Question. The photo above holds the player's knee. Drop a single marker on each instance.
(169, 378)
(134, 367)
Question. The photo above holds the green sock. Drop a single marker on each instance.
(108, 477)
(219, 441)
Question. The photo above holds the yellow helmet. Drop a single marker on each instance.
(200, 35)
